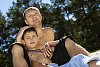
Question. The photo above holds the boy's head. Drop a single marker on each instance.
(30, 38)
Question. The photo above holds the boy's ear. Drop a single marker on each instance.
(23, 42)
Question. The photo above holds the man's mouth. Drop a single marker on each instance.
(35, 21)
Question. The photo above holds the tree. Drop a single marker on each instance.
(84, 24)
(3, 34)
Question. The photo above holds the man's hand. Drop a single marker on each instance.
(47, 50)
(20, 33)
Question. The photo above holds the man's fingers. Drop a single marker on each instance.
(47, 50)
(43, 52)
(48, 47)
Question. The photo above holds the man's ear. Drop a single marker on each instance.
(26, 22)
(41, 16)
(23, 42)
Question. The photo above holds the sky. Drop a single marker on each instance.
(5, 5)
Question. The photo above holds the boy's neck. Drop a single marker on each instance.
(32, 49)
(37, 50)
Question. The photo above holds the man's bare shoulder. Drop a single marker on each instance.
(49, 33)
(17, 50)
(48, 29)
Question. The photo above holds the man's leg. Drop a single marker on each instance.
(82, 61)
(94, 64)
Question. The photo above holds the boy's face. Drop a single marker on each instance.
(30, 40)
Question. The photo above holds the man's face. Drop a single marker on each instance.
(31, 40)
(33, 18)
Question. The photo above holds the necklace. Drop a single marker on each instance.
(38, 50)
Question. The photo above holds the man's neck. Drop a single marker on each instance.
(39, 32)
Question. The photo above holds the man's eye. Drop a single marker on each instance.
(36, 14)
(29, 16)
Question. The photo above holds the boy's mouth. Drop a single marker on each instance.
(32, 42)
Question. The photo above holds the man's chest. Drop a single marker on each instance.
(43, 41)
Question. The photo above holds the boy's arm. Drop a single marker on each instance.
(18, 57)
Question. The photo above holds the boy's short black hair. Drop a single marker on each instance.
(30, 29)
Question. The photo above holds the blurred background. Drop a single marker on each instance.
(78, 18)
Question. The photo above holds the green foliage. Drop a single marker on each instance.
(87, 21)
(3, 34)
(3, 58)
(83, 25)
(2, 22)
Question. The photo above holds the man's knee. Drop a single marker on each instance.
(94, 64)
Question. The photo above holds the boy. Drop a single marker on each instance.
(28, 48)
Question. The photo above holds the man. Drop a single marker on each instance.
(35, 56)
(33, 18)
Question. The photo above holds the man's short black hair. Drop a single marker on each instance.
(30, 29)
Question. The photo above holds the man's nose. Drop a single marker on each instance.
(34, 17)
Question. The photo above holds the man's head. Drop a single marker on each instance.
(32, 17)
(30, 38)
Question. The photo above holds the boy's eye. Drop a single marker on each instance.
(33, 36)
(27, 37)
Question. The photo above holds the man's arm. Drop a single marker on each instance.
(74, 49)
(48, 48)
(18, 57)
(20, 33)
(50, 33)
